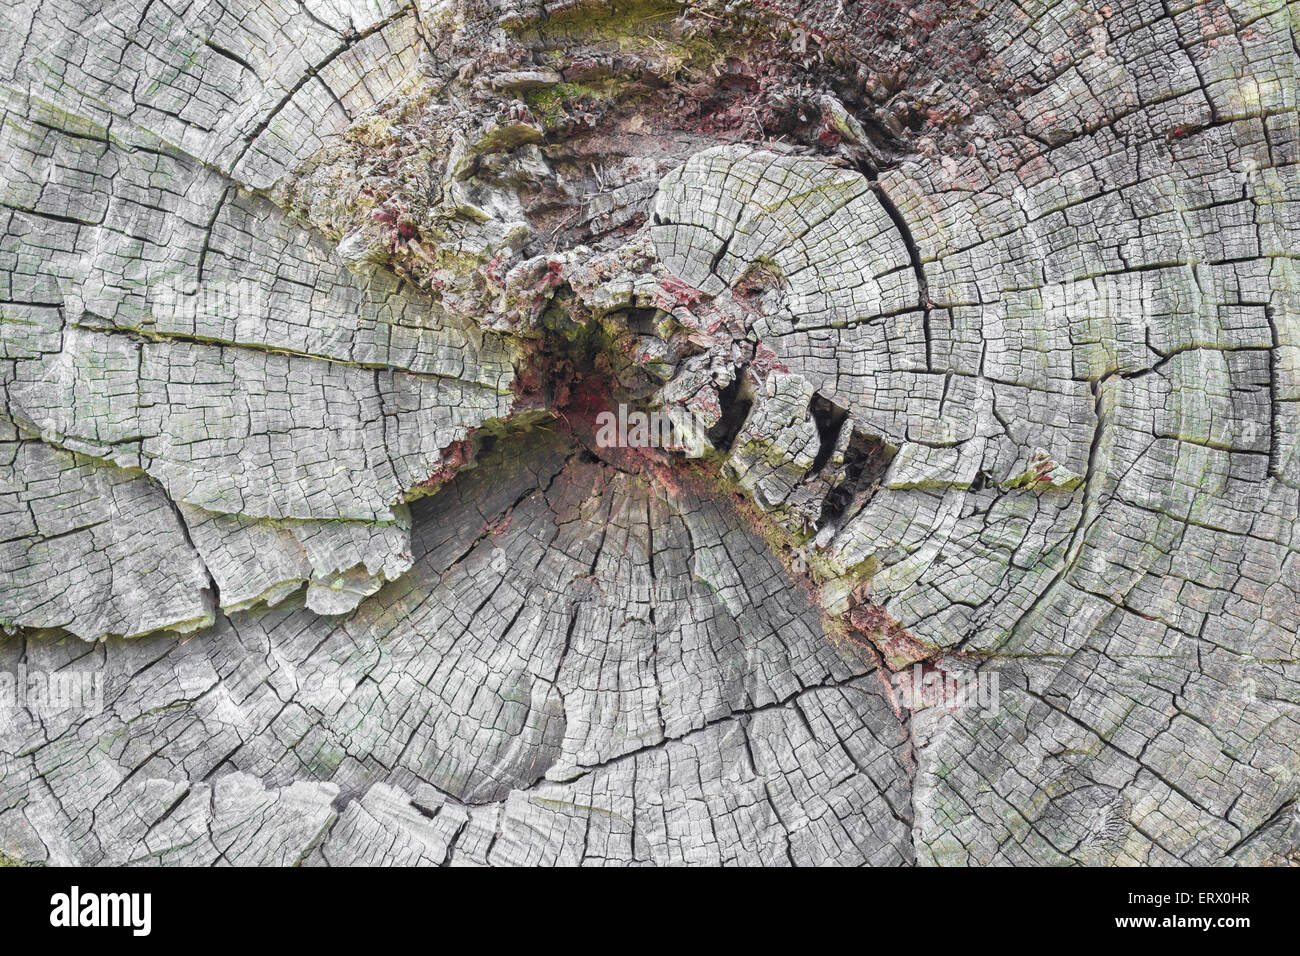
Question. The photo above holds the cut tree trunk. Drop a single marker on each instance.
(493, 432)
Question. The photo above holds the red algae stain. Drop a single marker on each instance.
(766, 361)
(453, 457)
(677, 293)
(898, 645)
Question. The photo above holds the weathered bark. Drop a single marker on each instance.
(980, 319)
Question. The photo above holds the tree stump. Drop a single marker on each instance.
(505, 432)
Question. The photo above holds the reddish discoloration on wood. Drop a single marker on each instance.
(871, 622)
(678, 293)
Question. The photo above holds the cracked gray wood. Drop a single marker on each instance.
(985, 328)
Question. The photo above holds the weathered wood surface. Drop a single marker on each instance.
(986, 317)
